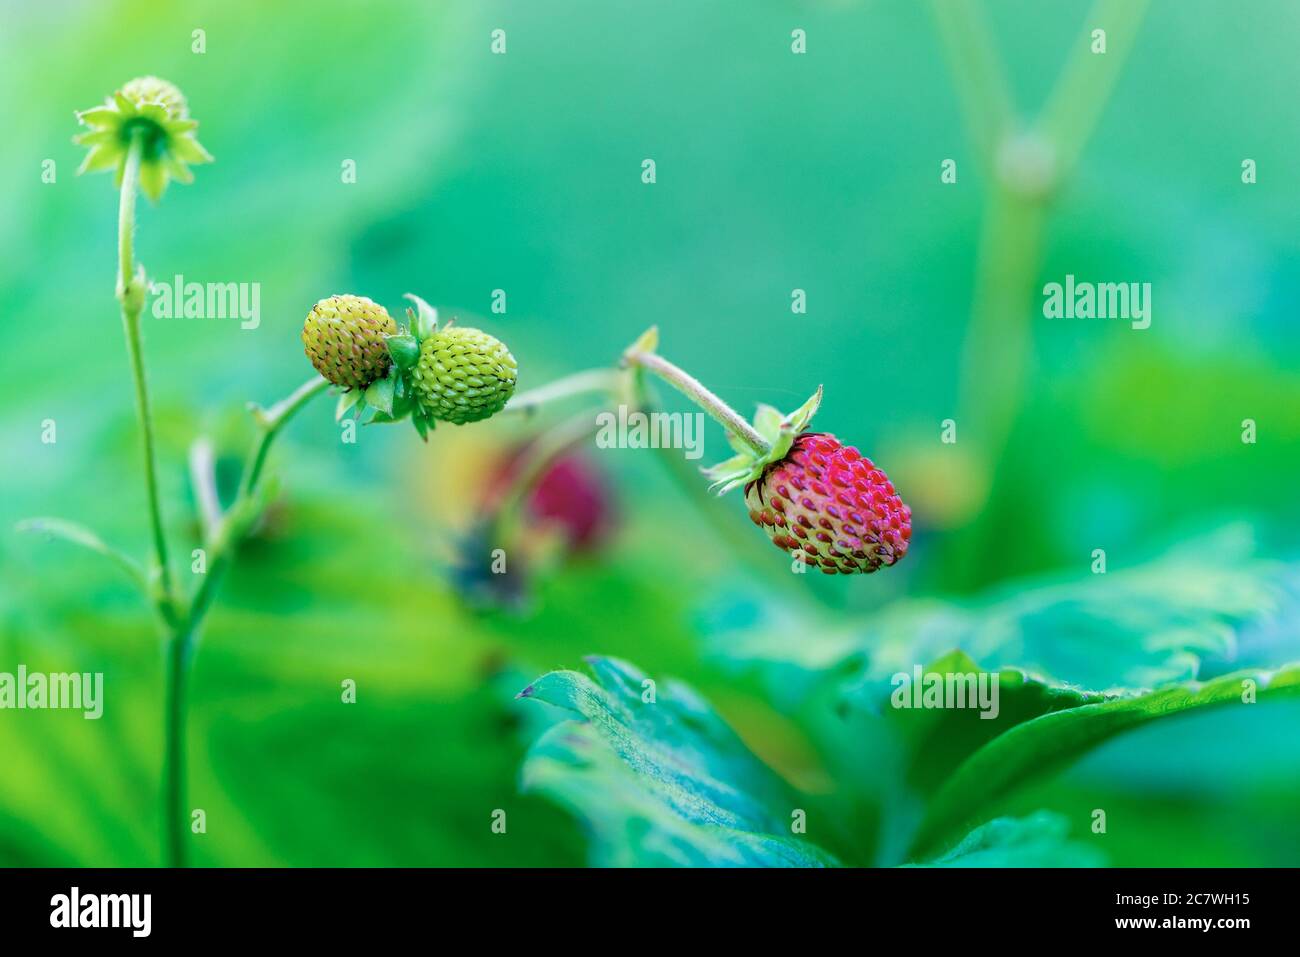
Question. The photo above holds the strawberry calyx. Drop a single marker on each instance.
(779, 432)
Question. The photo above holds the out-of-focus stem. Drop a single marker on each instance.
(1088, 79)
(173, 797)
(982, 88)
(579, 383)
(997, 345)
(203, 479)
(222, 539)
(997, 340)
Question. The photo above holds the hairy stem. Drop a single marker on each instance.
(695, 390)
(130, 294)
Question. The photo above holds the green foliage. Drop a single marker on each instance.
(1124, 440)
(911, 781)
(1040, 840)
(1044, 744)
(657, 777)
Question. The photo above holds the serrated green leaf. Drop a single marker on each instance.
(1045, 744)
(80, 535)
(661, 782)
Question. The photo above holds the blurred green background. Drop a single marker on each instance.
(523, 172)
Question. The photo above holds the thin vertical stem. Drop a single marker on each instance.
(131, 295)
(174, 777)
(982, 89)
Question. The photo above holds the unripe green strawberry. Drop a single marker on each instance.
(463, 375)
(344, 339)
(830, 507)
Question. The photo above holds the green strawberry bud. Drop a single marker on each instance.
(151, 89)
(153, 114)
(463, 375)
(344, 339)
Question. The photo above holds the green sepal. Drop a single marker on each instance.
(648, 341)
(404, 350)
(352, 398)
(422, 425)
(403, 406)
(780, 432)
(379, 395)
(424, 318)
(403, 401)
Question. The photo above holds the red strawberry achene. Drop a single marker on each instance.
(830, 507)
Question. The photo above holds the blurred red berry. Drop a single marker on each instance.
(571, 496)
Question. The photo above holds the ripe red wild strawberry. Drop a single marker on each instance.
(830, 507)
(816, 498)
